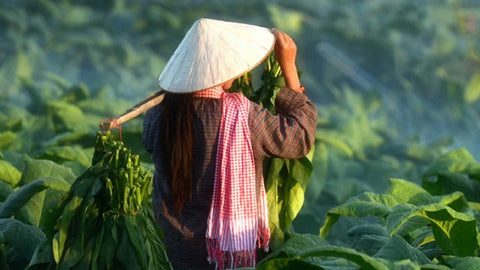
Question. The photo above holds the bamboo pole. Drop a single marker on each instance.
(133, 112)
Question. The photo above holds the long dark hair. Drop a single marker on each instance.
(177, 138)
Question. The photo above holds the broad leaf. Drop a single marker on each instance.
(455, 200)
(336, 142)
(472, 92)
(365, 204)
(60, 154)
(24, 194)
(447, 182)
(370, 244)
(370, 238)
(9, 174)
(5, 191)
(398, 214)
(408, 192)
(37, 168)
(455, 232)
(7, 138)
(287, 264)
(42, 255)
(293, 190)
(368, 229)
(459, 160)
(296, 244)
(22, 239)
(361, 259)
(397, 249)
(272, 170)
(464, 263)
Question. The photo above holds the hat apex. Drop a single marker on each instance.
(214, 52)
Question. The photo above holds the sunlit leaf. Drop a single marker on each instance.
(365, 204)
(408, 192)
(9, 174)
(456, 233)
(472, 92)
(7, 138)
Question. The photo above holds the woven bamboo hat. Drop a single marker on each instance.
(214, 52)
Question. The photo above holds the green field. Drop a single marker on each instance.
(394, 178)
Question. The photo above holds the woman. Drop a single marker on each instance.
(208, 145)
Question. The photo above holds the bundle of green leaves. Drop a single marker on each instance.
(106, 220)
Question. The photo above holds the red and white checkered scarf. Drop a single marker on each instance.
(238, 216)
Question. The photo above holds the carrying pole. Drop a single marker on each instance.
(133, 112)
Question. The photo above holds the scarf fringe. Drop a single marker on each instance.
(230, 259)
(240, 258)
(263, 238)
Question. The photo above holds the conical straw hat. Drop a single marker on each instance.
(214, 52)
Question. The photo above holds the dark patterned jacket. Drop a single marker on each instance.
(288, 134)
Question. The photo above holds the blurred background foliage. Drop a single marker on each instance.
(397, 83)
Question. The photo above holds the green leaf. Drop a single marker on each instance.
(335, 141)
(126, 253)
(5, 191)
(397, 249)
(98, 263)
(15, 68)
(370, 237)
(456, 233)
(24, 69)
(455, 200)
(66, 116)
(474, 206)
(7, 138)
(298, 243)
(77, 16)
(408, 192)
(9, 174)
(76, 94)
(60, 154)
(37, 168)
(398, 214)
(135, 235)
(370, 244)
(42, 255)
(78, 192)
(447, 182)
(23, 239)
(293, 190)
(8, 76)
(459, 160)
(472, 92)
(319, 172)
(288, 20)
(463, 263)
(362, 205)
(368, 229)
(434, 267)
(361, 259)
(287, 264)
(272, 168)
(37, 206)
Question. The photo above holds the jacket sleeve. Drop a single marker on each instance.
(288, 134)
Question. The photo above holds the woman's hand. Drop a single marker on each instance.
(285, 53)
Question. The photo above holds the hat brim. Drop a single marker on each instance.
(204, 59)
